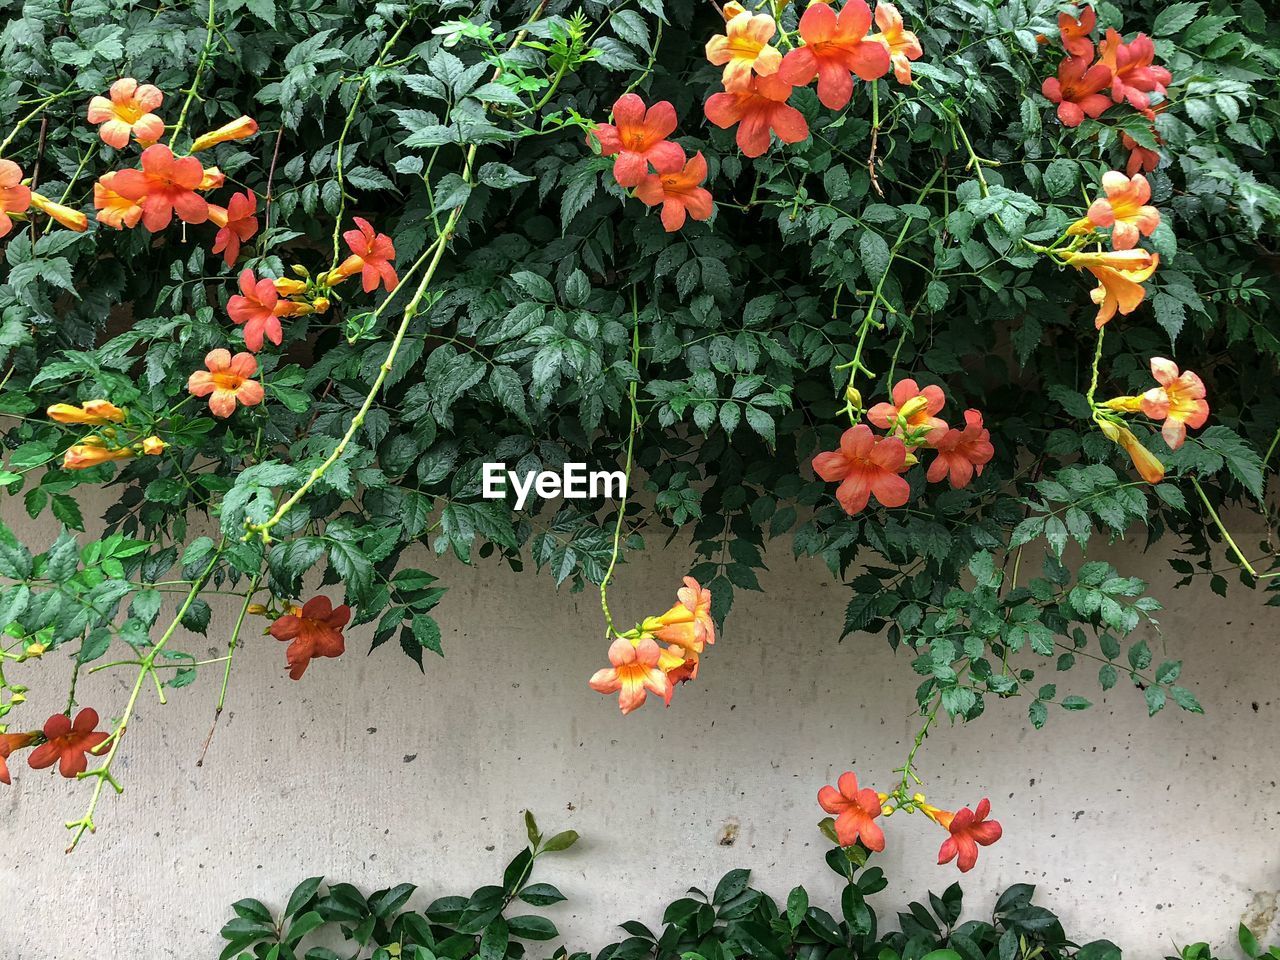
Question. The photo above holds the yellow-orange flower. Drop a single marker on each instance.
(212, 179)
(744, 48)
(128, 112)
(153, 446)
(289, 288)
(1124, 209)
(239, 129)
(1120, 275)
(92, 451)
(1147, 464)
(69, 218)
(902, 44)
(113, 209)
(688, 624)
(92, 412)
(680, 665)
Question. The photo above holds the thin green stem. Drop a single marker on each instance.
(1093, 373)
(610, 630)
(1226, 534)
(146, 668)
(432, 256)
(908, 768)
(39, 108)
(868, 321)
(210, 29)
(346, 128)
(232, 644)
(436, 252)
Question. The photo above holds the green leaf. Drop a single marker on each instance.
(1155, 697)
(1185, 699)
(67, 510)
(541, 894)
(875, 255)
(494, 940)
(500, 176)
(1174, 17)
(63, 559)
(730, 886)
(797, 906)
(302, 896)
(1061, 177)
(531, 927)
(1241, 460)
(561, 841)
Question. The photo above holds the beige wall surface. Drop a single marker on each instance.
(1149, 832)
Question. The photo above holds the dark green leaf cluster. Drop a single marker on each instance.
(735, 922)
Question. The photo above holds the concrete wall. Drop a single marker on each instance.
(1148, 832)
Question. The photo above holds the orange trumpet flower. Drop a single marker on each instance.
(969, 829)
(226, 381)
(679, 191)
(69, 218)
(759, 110)
(865, 465)
(688, 624)
(1124, 209)
(15, 196)
(1077, 90)
(1179, 401)
(855, 811)
(902, 44)
(1120, 275)
(113, 209)
(1147, 464)
(634, 670)
(835, 48)
(638, 138)
(237, 224)
(239, 129)
(91, 413)
(1075, 33)
(92, 451)
(164, 186)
